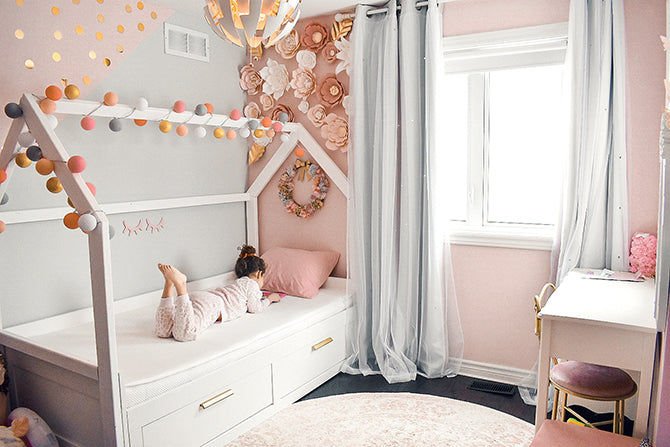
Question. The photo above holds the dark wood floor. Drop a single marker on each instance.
(454, 388)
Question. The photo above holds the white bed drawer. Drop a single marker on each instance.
(309, 353)
(210, 415)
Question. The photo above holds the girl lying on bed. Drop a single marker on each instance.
(191, 313)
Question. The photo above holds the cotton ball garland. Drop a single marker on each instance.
(266, 122)
(270, 133)
(91, 187)
(71, 221)
(277, 127)
(643, 254)
(87, 223)
(219, 132)
(110, 99)
(258, 133)
(22, 160)
(53, 92)
(200, 132)
(54, 185)
(34, 153)
(231, 134)
(283, 117)
(13, 110)
(87, 123)
(179, 106)
(26, 139)
(244, 132)
(201, 110)
(48, 106)
(142, 104)
(3, 175)
(165, 126)
(299, 152)
(182, 130)
(44, 166)
(76, 164)
(140, 122)
(253, 124)
(235, 114)
(2, 227)
(53, 121)
(210, 108)
(71, 91)
(115, 125)
(284, 137)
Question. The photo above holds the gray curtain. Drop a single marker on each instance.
(399, 262)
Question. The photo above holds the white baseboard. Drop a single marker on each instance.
(495, 373)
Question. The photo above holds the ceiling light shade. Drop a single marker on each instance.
(252, 22)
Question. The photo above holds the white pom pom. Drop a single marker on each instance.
(142, 104)
(200, 132)
(244, 132)
(284, 137)
(53, 121)
(87, 222)
(26, 139)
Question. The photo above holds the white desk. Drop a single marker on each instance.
(604, 322)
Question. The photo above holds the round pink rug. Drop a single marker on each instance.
(388, 419)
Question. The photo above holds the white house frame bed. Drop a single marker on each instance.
(98, 379)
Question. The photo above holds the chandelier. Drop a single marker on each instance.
(252, 22)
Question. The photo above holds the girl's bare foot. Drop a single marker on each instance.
(175, 277)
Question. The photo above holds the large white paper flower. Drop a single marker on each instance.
(306, 59)
(276, 79)
(344, 55)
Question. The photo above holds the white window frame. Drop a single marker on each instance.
(476, 54)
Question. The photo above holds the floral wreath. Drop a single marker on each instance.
(309, 171)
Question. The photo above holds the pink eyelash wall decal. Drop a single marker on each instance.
(158, 227)
(130, 230)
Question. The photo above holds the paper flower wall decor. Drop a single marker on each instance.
(317, 115)
(267, 101)
(330, 91)
(341, 29)
(250, 80)
(330, 52)
(344, 55)
(276, 79)
(289, 46)
(252, 110)
(643, 254)
(306, 59)
(278, 110)
(314, 37)
(303, 83)
(336, 132)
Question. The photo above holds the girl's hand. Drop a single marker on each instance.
(274, 297)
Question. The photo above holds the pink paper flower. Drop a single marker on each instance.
(330, 51)
(303, 82)
(314, 37)
(250, 80)
(330, 91)
(336, 131)
(289, 45)
(278, 110)
(643, 254)
(252, 110)
(267, 102)
(317, 115)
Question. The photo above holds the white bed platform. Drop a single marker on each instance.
(256, 365)
(99, 377)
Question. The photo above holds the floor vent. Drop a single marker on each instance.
(492, 387)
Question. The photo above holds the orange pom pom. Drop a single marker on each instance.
(44, 166)
(140, 122)
(2, 226)
(266, 122)
(110, 99)
(210, 108)
(299, 152)
(182, 130)
(53, 92)
(3, 175)
(71, 220)
(48, 106)
(231, 134)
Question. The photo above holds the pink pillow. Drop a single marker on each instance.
(297, 272)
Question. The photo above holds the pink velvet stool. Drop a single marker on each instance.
(555, 434)
(593, 382)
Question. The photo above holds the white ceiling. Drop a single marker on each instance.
(309, 8)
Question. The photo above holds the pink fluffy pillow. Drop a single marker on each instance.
(297, 272)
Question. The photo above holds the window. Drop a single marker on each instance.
(503, 135)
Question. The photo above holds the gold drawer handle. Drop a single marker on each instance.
(216, 399)
(321, 344)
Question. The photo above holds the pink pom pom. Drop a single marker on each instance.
(235, 114)
(87, 123)
(277, 126)
(76, 164)
(179, 106)
(91, 188)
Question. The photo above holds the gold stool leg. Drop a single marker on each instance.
(622, 416)
(615, 418)
(555, 406)
(564, 413)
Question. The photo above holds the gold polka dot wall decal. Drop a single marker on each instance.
(101, 18)
(29, 63)
(19, 34)
(79, 30)
(55, 11)
(154, 15)
(119, 48)
(58, 35)
(86, 79)
(140, 26)
(76, 2)
(140, 5)
(120, 28)
(19, 2)
(107, 62)
(129, 8)
(101, 1)
(55, 56)
(92, 54)
(98, 35)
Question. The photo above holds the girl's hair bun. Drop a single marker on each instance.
(247, 250)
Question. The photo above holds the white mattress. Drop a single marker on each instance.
(149, 365)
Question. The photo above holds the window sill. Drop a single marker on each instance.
(503, 236)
